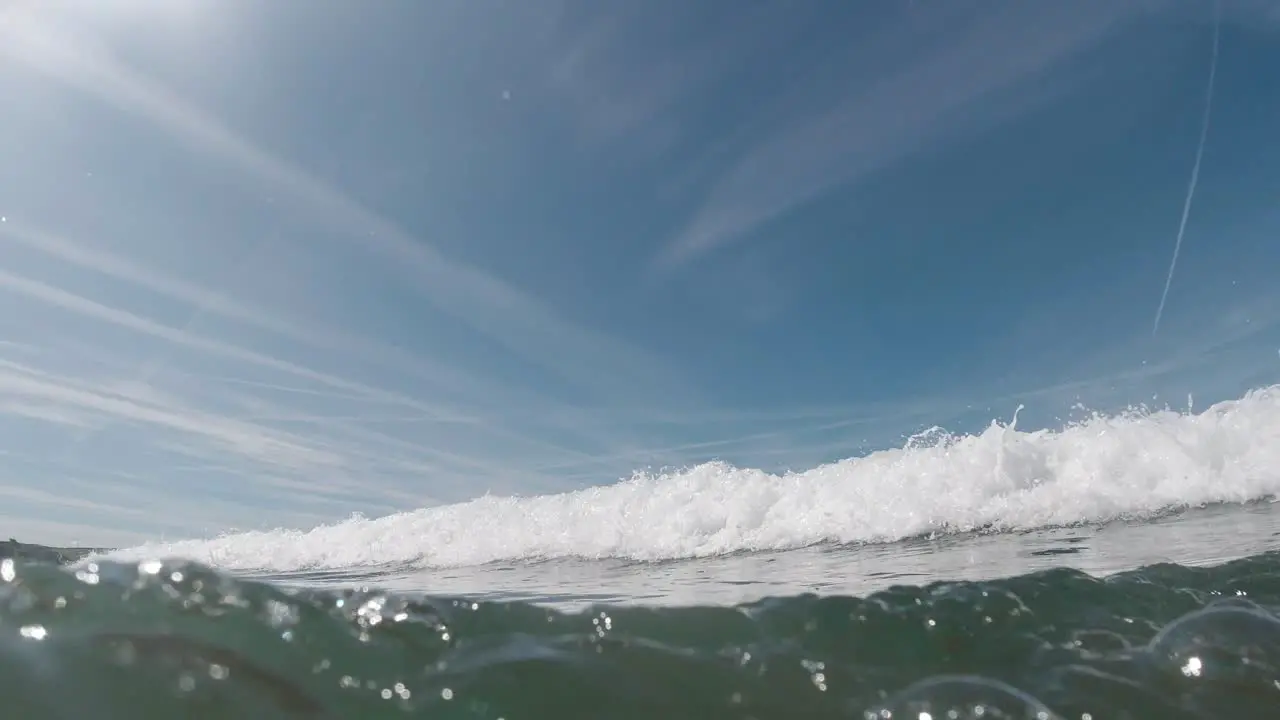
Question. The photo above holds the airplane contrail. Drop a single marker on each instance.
(1195, 169)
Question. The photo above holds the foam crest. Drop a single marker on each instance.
(1003, 478)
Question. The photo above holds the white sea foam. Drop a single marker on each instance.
(1103, 468)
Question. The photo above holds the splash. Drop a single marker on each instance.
(1128, 465)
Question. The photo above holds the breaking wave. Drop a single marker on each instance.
(1109, 466)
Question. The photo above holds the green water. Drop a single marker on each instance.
(183, 641)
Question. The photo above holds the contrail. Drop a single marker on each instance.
(1195, 169)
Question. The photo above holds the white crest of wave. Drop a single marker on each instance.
(1003, 478)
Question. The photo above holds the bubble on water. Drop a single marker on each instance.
(1232, 640)
(961, 697)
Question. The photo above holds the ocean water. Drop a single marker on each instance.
(1122, 567)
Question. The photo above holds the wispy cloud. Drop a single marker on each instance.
(617, 100)
(358, 423)
(610, 370)
(200, 299)
(203, 300)
(355, 445)
(254, 442)
(343, 463)
(877, 120)
(484, 395)
(250, 429)
(47, 412)
(74, 303)
(512, 318)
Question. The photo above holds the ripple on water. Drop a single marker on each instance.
(169, 639)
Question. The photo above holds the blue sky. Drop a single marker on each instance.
(270, 264)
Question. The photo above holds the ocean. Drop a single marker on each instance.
(1123, 566)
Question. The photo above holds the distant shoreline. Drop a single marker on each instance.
(43, 553)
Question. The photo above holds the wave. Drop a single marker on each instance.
(1133, 464)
